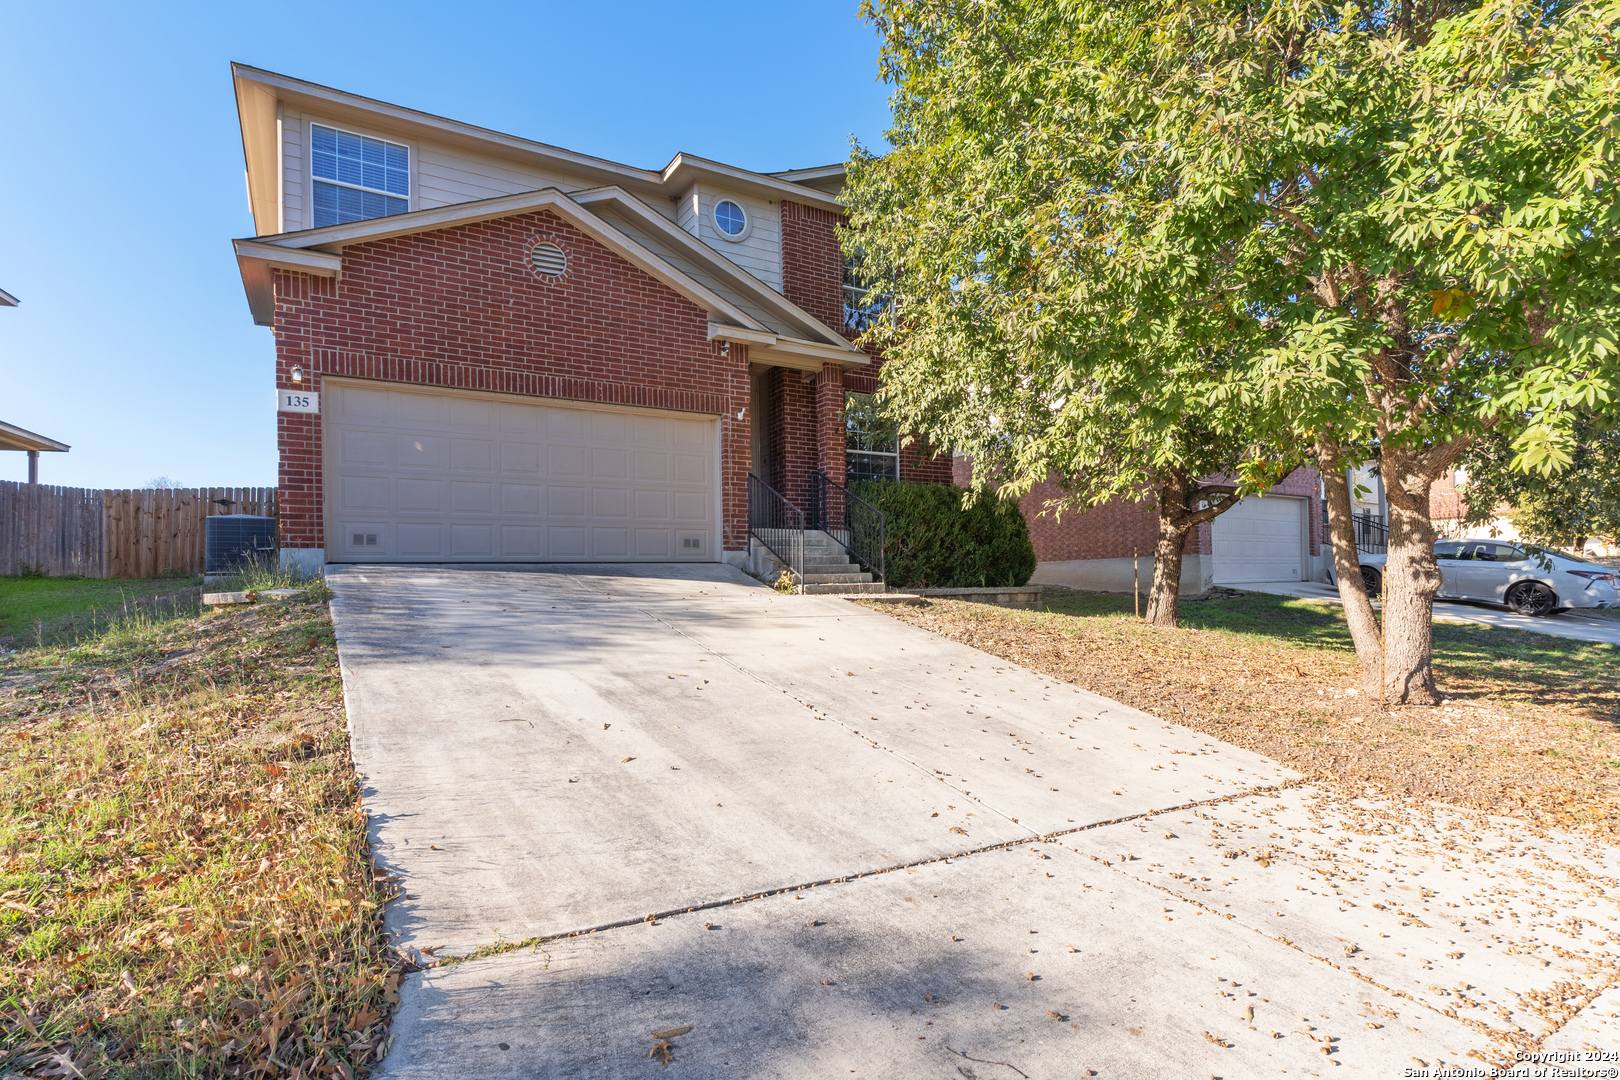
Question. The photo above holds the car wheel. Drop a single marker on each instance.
(1531, 598)
(1371, 579)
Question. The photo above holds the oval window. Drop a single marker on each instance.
(730, 219)
(548, 259)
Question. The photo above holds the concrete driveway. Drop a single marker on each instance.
(1575, 623)
(833, 844)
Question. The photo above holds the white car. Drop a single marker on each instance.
(1531, 580)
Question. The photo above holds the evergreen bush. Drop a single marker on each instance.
(934, 540)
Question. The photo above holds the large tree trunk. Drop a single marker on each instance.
(1166, 589)
(1358, 612)
(1411, 579)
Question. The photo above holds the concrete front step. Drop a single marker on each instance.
(833, 579)
(850, 588)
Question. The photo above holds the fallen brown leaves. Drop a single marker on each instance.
(1525, 734)
(184, 859)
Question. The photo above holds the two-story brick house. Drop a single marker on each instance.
(491, 349)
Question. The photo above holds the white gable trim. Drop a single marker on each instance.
(258, 257)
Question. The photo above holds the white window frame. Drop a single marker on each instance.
(310, 179)
(714, 222)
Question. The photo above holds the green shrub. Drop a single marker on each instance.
(934, 541)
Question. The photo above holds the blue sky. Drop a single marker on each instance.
(121, 184)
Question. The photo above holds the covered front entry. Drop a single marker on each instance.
(417, 474)
(1261, 539)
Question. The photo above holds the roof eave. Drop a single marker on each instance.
(13, 437)
(258, 257)
(718, 263)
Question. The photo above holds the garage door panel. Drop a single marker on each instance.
(608, 543)
(364, 448)
(362, 405)
(650, 431)
(520, 458)
(610, 502)
(609, 427)
(364, 493)
(469, 415)
(416, 451)
(416, 410)
(691, 469)
(520, 420)
(566, 542)
(521, 499)
(421, 540)
(610, 464)
(691, 506)
(565, 461)
(468, 497)
(652, 505)
(443, 476)
(1260, 539)
(476, 455)
(521, 541)
(472, 540)
(567, 424)
(566, 502)
(414, 495)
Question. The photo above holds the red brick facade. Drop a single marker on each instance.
(460, 307)
(1121, 529)
(813, 278)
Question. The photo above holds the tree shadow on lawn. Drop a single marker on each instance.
(1471, 660)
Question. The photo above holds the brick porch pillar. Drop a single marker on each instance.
(830, 421)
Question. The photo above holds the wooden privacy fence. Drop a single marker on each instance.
(135, 533)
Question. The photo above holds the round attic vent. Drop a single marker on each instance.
(548, 259)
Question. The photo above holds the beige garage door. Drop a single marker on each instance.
(1259, 540)
(448, 476)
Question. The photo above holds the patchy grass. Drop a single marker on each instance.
(1531, 730)
(266, 572)
(185, 883)
(37, 609)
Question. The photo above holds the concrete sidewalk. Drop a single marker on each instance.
(872, 852)
(1569, 624)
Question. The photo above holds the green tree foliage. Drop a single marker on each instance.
(941, 537)
(1368, 229)
(1561, 509)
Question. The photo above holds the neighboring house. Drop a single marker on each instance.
(1275, 537)
(16, 438)
(492, 349)
(6, 299)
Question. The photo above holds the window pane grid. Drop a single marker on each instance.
(354, 162)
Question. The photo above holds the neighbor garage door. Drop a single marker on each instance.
(1259, 540)
(449, 476)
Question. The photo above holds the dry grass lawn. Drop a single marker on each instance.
(1531, 729)
(185, 885)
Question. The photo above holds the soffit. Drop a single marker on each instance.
(13, 437)
(254, 87)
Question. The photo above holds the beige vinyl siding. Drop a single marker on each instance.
(292, 171)
(447, 175)
(441, 175)
(760, 254)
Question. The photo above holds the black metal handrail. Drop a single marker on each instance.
(778, 525)
(853, 523)
(1372, 535)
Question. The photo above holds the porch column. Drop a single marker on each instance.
(830, 439)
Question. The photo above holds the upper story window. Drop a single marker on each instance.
(357, 177)
(863, 304)
(730, 219)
